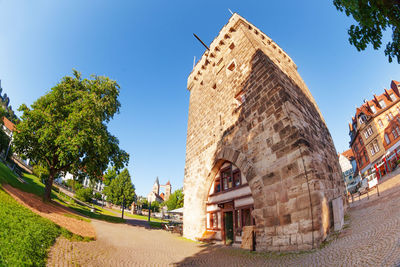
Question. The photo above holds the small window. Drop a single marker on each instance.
(382, 104)
(398, 130)
(217, 186)
(376, 146)
(361, 141)
(236, 178)
(240, 98)
(380, 123)
(387, 139)
(393, 97)
(373, 109)
(394, 133)
(372, 150)
(391, 115)
(213, 220)
(232, 66)
(387, 117)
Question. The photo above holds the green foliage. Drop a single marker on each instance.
(75, 185)
(373, 17)
(155, 206)
(84, 194)
(110, 175)
(175, 201)
(24, 236)
(119, 187)
(41, 172)
(66, 129)
(97, 196)
(4, 142)
(143, 203)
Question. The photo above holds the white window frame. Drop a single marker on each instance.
(394, 134)
(382, 104)
(393, 97)
(373, 109)
(387, 139)
(380, 123)
(376, 146)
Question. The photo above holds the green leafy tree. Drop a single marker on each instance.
(373, 17)
(4, 139)
(175, 200)
(97, 196)
(155, 206)
(75, 185)
(110, 175)
(66, 129)
(143, 203)
(84, 194)
(119, 188)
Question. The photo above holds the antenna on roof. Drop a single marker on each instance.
(197, 37)
(230, 11)
(194, 61)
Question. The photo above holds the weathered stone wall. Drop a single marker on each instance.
(276, 137)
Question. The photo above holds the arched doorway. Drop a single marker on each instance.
(229, 204)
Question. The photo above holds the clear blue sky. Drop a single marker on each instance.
(148, 48)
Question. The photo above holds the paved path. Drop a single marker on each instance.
(372, 239)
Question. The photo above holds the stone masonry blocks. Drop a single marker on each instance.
(274, 134)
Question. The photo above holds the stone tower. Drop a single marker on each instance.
(156, 187)
(250, 107)
(168, 190)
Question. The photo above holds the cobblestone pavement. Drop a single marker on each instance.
(371, 239)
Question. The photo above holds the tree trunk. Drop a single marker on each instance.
(49, 185)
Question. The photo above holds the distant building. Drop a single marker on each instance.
(375, 132)
(155, 195)
(348, 165)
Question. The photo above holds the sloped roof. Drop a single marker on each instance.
(8, 124)
(348, 154)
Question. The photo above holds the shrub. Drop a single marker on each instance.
(84, 194)
(97, 196)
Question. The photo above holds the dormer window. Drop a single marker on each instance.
(373, 109)
(362, 119)
(393, 97)
(382, 104)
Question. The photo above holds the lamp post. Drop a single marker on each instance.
(149, 211)
(123, 200)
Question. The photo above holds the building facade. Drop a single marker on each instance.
(375, 132)
(348, 165)
(258, 151)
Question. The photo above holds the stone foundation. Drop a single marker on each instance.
(248, 105)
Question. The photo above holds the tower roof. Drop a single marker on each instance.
(168, 183)
(156, 181)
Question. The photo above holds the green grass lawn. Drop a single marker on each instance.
(25, 237)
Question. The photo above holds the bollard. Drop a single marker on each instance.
(377, 189)
(368, 194)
